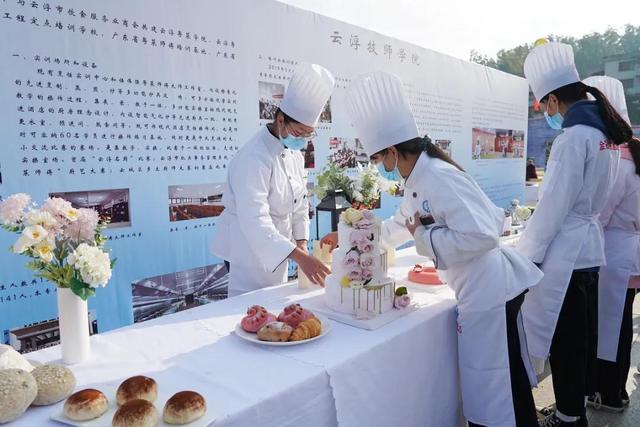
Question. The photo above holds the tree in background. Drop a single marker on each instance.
(589, 52)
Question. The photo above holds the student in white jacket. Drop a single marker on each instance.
(620, 219)
(462, 237)
(266, 218)
(564, 235)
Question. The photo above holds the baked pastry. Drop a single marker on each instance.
(424, 275)
(85, 405)
(138, 387)
(136, 413)
(184, 407)
(257, 316)
(275, 332)
(11, 359)
(309, 328)
(55, 383)
(293, 314)
(18, 389)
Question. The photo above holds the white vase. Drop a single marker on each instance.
(74, 327)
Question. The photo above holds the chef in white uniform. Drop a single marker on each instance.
(489, 279)
(266, 218)
(621, 221)
(564, 235)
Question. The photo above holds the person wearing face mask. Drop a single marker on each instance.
(564, 235)
(454, 223)
(265, 222)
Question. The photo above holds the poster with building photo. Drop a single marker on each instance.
(347, 152)
(112, 205)
(195, 201)
(169, 293)
(497, 144)
(269, 98)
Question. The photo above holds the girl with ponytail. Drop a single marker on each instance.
(564, 235)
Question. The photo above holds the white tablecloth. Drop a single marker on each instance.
(403, 374)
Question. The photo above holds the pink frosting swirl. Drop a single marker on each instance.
(366, 260)
(366, 247)
(367, 274)
(355, 274)
(351, 259)
(293, 314)
(257, 316)
(402, 301)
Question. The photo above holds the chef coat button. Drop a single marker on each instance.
(283, 155)
(415, 195)
(304, 197)
(295, 200)
(289, 177)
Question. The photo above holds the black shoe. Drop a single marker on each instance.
(553, 421)
(600, 404)
(544, 412)
(624, 397)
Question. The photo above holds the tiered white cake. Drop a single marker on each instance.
(358, 283)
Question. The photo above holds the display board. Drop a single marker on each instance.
(136, 107)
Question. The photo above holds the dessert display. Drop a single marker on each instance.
(86, 405)
(184, 407)
(136, 413)
(359, 283)
(55, 383)
(138, 387)
(294, 323)
(18, 389)
(275, 332)
(424, 275)
(257, 316)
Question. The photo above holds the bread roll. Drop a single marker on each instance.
(11, 359)
(18, 389)
(136, 413)
(184, 407)
(86, 405)
(275, 331)
(139, 387)
(55, 383)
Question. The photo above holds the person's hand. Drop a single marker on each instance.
(302, 245)
(413, 223)
(312, 267)
(330, 239)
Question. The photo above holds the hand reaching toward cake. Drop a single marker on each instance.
(314, 269)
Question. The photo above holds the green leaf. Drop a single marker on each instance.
(81, 289)
(402, 290)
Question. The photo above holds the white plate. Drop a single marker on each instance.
(248, 336)
(105, 420)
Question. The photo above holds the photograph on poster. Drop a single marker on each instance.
(161, 295)
(347, 152)
(444, 144)
(497, 144)
(112, 205)
(325, 116)
(43, 334)
(195, 201)
(269, 97)
(309, 153)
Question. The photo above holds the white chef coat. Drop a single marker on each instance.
(465, 244)
(564, 233)
(266, 211)
(621, 221)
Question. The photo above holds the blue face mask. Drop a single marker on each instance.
(294, 143)
(555, 121)
(393, 175)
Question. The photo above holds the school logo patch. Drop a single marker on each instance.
(426, 207)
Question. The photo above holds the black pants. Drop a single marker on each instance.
(570, 346)
(523, 404)
(592, 339)
(612, 376)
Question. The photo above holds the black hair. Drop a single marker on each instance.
(634, 148)
(287, 119)
(417, 146)
(618, 129)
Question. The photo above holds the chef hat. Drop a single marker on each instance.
(550, 66)
(308, 93)
(613, 90)
(380, 111)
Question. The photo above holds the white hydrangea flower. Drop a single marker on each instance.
(92, 263)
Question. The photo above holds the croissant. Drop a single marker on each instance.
(307, 329)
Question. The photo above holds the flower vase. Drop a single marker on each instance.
(74, 327)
